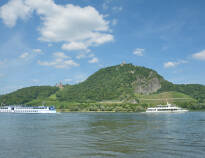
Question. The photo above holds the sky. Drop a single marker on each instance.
(44, 42)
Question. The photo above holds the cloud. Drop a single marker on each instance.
(85, 55)
(75, 46)
(93, 60)
(77, 27)
(200, 55)
(24, 55)
(37, 51)
(13, 10)
(81, 56)
(170, 64)
(60, 61)
(139, 52)
(60, 55)
(27, 55)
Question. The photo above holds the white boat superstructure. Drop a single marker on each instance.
(27, 109)
(166, 108)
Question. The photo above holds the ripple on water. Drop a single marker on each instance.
(99, 135)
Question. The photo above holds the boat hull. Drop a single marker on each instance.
(179, 111)
(30, 112)
(33, 110)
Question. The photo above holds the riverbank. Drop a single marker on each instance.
(95, 107)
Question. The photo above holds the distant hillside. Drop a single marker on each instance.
(196, 91)
(115, 82)
(25, 95)
(162, 98)
(122, 85)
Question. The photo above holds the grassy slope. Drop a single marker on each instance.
(144, 101)
(162, 98)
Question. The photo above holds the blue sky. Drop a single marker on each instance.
(43, 42)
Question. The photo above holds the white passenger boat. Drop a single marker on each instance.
(166, 108)
(28, 109)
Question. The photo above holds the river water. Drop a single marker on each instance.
(102, 135)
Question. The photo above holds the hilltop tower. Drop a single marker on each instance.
(59, 85)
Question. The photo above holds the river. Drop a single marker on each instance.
(102, 135)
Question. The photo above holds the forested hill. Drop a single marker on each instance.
(28, 94)
(114, 83)
(196, 91)
(124, 82)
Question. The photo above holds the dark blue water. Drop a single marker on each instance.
(102, 135)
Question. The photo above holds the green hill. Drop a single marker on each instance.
(123, 87)
(25, 95)
(196, 91)
(164, 97)
(113, 83)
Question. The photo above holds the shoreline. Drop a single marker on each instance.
(60, 110)
(69, 111)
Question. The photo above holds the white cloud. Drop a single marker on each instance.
(75, 46)
(60, 61)
(170, 64)
(24, 55)
(200, 55)
(77, 27)
(93, 60)
(91, 55)
(13, 10)
(139, 51)
(85, 55)
(37, 50)
(81, 56)
(60, 55)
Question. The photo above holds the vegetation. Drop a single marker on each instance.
(111, 83)
(113, 89)
(25, 95)
(196, 91)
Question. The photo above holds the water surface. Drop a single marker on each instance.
(102, 135)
